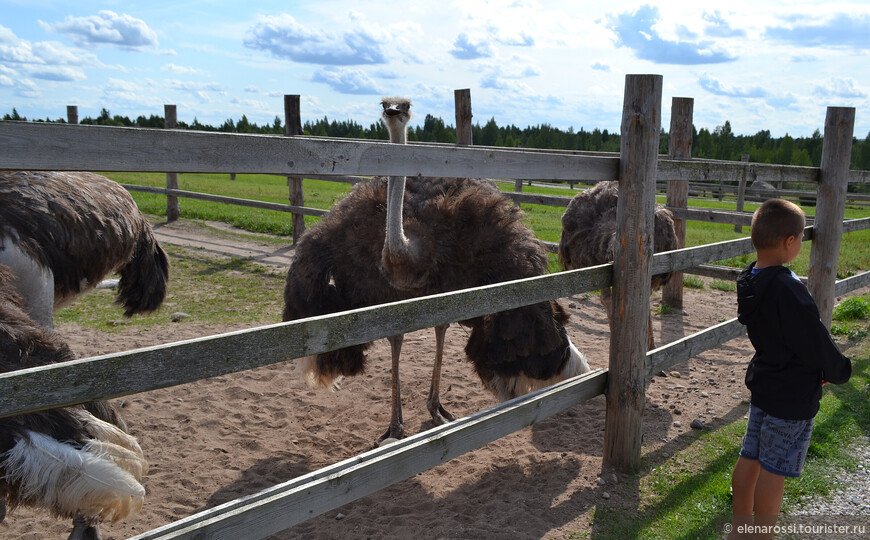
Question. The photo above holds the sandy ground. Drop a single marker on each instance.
(219, 439)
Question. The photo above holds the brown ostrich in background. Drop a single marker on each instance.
(441, 234)
(589, 236)
(62, 232)
(77, 462)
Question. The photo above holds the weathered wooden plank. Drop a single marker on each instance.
(632, 266)
(690, 346)
(228, 200)
(680, 259)
(534, 198)
(173, 210)
(282, 506)
(732, 171)
(293, 127)
(830, 209)
(172, 364)
(711, 216)
(849, 284)
(462, 101)
(28, 145)
(679, 148)
(852, 225)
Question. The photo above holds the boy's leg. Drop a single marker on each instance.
(768, 499)
(743, 489)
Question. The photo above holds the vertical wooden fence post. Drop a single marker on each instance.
(830, 208)
(679, 147)
(72, 114)
(293, 126)
(462, 100)
(741, 191)
(173, 210)
(632, 270)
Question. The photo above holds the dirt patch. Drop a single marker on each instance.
(219, 439)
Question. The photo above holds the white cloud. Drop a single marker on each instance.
(106, 28)
(283, 37)
(839, 87)
(181, 70)
(347, 81)
(467, 48)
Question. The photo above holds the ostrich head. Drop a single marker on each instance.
(397, 113)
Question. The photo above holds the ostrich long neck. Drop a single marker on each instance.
(396, 242)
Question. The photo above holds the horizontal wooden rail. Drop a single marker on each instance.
(45, 146)
(263, 205)
(849, 284)
(284, 505)
(690, 346)
(49, 146)
(172, 364)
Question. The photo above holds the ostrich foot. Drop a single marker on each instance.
(82, 530)
(440, 416)
(391, 435)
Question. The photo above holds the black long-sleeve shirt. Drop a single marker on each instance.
(794, 351)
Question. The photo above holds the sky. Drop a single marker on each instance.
(760, 65)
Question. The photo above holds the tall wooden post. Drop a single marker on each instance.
(679, 147)
(830, 208)
(632, 270)
(72, 114)
(462, 99)
(293, 126)
(741, 191)
(173, 210)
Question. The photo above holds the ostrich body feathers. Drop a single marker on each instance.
(70, 481)
(466, 234)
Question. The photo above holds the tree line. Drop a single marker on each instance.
(721, 143)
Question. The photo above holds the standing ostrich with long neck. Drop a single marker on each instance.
(76, 462)
(441, 234)
(589, 237)
(62, 232)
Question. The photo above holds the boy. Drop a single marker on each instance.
(794, 357)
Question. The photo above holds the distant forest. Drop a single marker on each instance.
(721, 143)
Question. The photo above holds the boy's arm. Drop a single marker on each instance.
(809, 339)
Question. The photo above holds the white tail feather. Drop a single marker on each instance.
(110, 433)
(125, 458)
(69, 481)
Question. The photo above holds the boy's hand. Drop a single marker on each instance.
(824, 382)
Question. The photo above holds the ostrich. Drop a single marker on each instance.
(62, 232)
(77, 462)
(441, 234)
(589, 236)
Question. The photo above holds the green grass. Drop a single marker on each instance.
(850, 317)
(544, 220)
(211, 290)
(688, 495)
(692, 281)
(727, 286)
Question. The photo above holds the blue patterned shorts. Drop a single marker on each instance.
(780, 446)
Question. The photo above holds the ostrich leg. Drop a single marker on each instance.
(439, 414)
(396, 430)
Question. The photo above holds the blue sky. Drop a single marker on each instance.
(759, 64)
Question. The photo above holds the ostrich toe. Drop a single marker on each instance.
(440, 416)
(391, 435)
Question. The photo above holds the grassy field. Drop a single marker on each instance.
(687, 496)
(544, 220)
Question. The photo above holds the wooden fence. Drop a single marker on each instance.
(70, 147)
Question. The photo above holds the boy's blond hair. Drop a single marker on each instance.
(776, 220)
